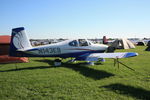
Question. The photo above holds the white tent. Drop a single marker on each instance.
(122, 44)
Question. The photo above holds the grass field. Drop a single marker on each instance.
(40, 80)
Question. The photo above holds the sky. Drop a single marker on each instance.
(76, 18)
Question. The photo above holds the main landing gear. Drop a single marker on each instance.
(57, 62)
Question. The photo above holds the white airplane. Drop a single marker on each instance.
(80, 49)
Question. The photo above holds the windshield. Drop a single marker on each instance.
(73, 43)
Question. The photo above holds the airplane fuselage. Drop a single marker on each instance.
(65, 49)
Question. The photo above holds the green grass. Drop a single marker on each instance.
(40, 80)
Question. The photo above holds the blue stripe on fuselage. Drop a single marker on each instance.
(33, 49)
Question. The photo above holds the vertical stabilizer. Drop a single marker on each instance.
(19, 41)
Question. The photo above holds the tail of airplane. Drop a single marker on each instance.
(19, 42)
(105, 41)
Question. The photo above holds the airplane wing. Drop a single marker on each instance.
(96, 56)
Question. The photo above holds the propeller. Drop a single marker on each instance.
(110, 49)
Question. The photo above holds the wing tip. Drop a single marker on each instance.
(131, 54)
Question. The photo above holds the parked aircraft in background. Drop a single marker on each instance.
(79, 49)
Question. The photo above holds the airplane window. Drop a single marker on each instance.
(73, 43)
(89, 43)
(83, 42)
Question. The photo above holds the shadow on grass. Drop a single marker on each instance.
(80, 67)
(83, 69)
(138, 93)
(88, 72)
(27, 68)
